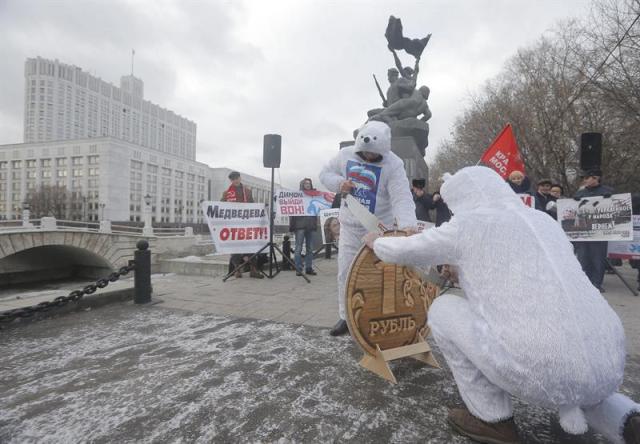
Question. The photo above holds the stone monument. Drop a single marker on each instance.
(405, 108)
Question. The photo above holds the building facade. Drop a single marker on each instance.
(63, 102)
(109, 179)
(112, 154)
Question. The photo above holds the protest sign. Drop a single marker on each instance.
(597, 218)
(330, 225)
(627, 250)
(237, 228)
(302, 203)
(527, 199)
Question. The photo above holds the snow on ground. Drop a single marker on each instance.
(128, 373)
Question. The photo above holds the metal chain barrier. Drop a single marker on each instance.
(74, 296)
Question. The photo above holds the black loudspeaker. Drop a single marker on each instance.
(271, 150)
(590, 151)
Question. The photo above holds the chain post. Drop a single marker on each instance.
(142, 273)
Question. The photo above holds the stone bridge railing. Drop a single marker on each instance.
(105, 226)
(113, 244)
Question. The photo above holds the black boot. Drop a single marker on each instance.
(631, 431)
(340, 328)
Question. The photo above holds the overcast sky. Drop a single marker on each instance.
(241, 69)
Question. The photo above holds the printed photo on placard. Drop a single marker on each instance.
(597, 218)
(330, 225)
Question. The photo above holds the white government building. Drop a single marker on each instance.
(107, 145)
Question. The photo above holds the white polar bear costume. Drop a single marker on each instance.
(531, 324)
(382, 186)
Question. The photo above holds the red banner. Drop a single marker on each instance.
(503, 154)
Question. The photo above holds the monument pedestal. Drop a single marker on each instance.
(414, 163)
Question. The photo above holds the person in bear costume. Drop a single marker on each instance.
(552, 342)
(376, 177)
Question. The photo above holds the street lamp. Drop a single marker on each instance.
(26, 214)
(147, 229)
(102, 205)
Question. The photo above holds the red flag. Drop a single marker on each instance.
(503, 154)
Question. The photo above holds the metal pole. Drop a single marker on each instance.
(271, 216)
(142, 273)
(624, 281)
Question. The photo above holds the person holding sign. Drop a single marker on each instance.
(592, 255)
(238, 192)
(552, 342)
(376, 178)
(303, 227)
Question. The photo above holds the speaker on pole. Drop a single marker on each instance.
(590, 151)
(271, 150)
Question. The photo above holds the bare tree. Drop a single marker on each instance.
(56, 201)
(557, 89)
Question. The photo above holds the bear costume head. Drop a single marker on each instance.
(374, 137)
(477, 188)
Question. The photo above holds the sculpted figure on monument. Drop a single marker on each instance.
(406, 84)
(406, 109)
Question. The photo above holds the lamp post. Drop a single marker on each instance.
(26, 214)
(102, 205)
(147, 229)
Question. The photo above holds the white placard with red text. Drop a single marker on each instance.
(237, 228)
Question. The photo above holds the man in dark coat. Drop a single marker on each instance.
(592, 255)
(542, 194)
(304, 227)
(443, 214)
(423, 201)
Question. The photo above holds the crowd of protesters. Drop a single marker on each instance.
(592, 255)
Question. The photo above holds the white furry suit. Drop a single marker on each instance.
(531, 324)
(382, 186)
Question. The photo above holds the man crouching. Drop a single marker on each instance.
(552, 342)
